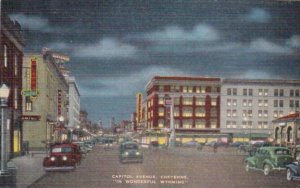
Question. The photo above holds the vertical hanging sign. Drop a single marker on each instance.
(33, 75)
(59, 99)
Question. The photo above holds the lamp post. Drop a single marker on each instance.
(4, 93)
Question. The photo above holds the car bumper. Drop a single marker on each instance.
(131, 159)
(59, 168)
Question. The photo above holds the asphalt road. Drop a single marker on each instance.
(181, 167)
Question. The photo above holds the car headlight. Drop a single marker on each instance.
(52, 158)
(126, 153)
(138, 153)
(64, 158)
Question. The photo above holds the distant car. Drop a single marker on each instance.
(191, 144)
(269, 159)
(129, 152)
(83, 147)
(62, 157)
(236, 144)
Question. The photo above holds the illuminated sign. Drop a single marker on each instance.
(29, 93)
(31, 118)
(59, 101)
(33, 75)
(139, 98)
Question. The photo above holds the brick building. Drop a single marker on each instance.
(11, 63)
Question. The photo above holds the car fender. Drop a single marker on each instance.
(269, 162)
(250, 161)
(292, 167)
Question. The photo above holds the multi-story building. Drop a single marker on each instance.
(45, 100)
(248, 106)
(196, 106)
(11, 63)
(74, 104)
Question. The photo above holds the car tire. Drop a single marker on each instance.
(289, 175)
(267, 169)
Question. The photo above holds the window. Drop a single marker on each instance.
(250, 92)
(233, 113)
(160, 88)
(5, 55)
(190, 89)
(250, 113)
(200, 101)
(228, 113)
(250, 102)
(203, 89)
(198, 89)
(259, 113)
(265, 125)
(244, 102)
(265, 113)
(281, 94)
(176, 112)
(266, 92)
(187, 124)
(200, 112)
(16, 65)
(187, 101)
(161, 123)
(176, 100)
(275, 114)
(228, 102)
(214, 102)
(228, 124)
(234, 91)
(245, 92)
(265, 102)
(275, 103)
(161, 112)
(161, 100)
(280, 113)
(200, 124)
(297, 93)
(281, 103)
(275, 92)
(187, 112)
(260, 103)
(228, 91)
(233, 124)
(213, 124)
(184, 89)
(292, 93)
(291, 103)
(234, 103)
(28, 104)
(16, 98)
(244, 113)
(297, 104)
(260, 92)
(260, 125)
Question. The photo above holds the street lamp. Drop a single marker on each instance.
(4, 93)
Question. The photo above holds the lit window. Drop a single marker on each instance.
(161, 88)
(280, 113)
(228, 113)
(187, 112)
(249, 102)
(213, 124)
(244, 102)
(203, 89)
(161, 123)
(228, 102)
(260, 103)
(275, 114)
(244, 113)
(161, 112)
(228, 124)
(233, 113)
(234, 103)
(176, 100)
(184, 89)
(266, 92)
(198, 89)
(265, 102)
(16, 65)
(190, 89)
(187, 124)
(187, 101)
(161, 101)
(233, 124)
(5, 55)
(176, 112)
(200, 101)
(265, 113)
(28, 104)
(214, 102)
(250, 113)
(200, 112)
(259, 113)
(260, 92)
(265, 125)
(200, 124)
(260, 125)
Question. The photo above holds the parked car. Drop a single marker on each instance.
(269, 159)
(83, 148)
(129, 152)
(236, 144)
(191, 144)
(293, 169)
(62, 157)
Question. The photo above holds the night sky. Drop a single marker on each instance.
(116, 47)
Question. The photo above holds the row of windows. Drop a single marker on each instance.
(247, 125)
(264, 103)
(189, 89)
(260, 113)
(188, 124)
(185, 101)
(263, 92)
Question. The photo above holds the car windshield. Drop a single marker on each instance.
(61, 150)
(282, 152)
(130, 146)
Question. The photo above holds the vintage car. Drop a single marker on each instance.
(62, 157)
(293, 169)
(129, 152)
(269, 159)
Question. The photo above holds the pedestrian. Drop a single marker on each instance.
(215, 146)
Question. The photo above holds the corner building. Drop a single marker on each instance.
(248, 106)
(196, 107)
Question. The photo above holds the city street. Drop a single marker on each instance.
(180, 167)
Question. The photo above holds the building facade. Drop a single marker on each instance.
(45, 101)
(74, 104)
(196, 105)
(11, 63)
(248, 106)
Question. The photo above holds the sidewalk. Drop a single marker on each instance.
(29, 169)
